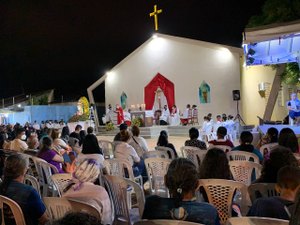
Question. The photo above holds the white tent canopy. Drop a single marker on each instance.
(273, 44)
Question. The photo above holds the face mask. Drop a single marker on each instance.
(23, 137)
(6, 136)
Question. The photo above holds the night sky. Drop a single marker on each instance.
(68, 44)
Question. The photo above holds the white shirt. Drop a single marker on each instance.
(217, 125)
(165, 115)
(141, 145)
(126, 152)
(18, 145)
(185, 113)
(127, 116)
(36, 126)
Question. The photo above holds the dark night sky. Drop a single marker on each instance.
(67, 44)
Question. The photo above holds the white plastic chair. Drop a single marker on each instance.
(61, 180)
(225, 148)
(169, 150)
(156, 169)
(44, 171)
(107, 148)
(15, 209)
(57, 207)
(32, 181)
(242, 156)
(220, 194)
(242, 171)
(256, 221)
(266, 149)
(118, 188)
(196, 155)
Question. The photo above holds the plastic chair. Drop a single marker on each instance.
(196, 155)
(256, 221)
(242, 171)
(165, 222)
(242, 156)
(14, 208)
(118, 188)
(262, 190)
(61, 180)
(220, 194)
(107, 148)
(225, 148)
(266, 149)
(32, 181)
(167, 149)
(156, 154)
(45, 171)
(156, 169)
(195, 116)
(121, 168)
(57, 207)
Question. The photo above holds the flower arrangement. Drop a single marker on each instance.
(109, 126)
(137, 122)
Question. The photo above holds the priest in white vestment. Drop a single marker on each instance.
(164, 116)
(174, 119)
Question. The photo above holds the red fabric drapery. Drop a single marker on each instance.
(166, 86)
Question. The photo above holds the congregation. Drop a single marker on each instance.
(178, 191)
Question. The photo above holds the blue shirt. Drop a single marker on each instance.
(28, 199)
(198, 212)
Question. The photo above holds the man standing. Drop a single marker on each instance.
(294, 108)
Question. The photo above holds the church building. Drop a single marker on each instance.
(183, 71)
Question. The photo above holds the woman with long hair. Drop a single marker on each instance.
(182, 182)
(287, 138)
(279, 157)
(164, 142)
(215, 165)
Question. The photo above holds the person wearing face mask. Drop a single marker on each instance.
(19, 144)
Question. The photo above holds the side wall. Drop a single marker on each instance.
(187, 65)
(253, 103)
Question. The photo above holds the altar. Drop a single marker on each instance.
(146, 117)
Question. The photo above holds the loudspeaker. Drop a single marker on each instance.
(236, 95)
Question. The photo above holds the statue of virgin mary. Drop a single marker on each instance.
(159, 100)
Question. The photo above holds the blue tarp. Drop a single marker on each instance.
(42, 113)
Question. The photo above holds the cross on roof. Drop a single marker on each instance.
(155, 15)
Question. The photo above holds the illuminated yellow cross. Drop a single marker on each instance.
(155, 15)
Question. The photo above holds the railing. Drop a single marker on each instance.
(7, 102)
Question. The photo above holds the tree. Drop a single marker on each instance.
(277, 11)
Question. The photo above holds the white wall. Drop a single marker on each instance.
(186, 64)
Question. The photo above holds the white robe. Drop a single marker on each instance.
(165, 115)
(159, 101)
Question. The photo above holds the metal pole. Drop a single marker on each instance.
(13, 100)
(3, 103)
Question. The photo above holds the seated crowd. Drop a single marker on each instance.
(78, 153)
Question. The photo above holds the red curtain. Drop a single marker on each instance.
(166, 86)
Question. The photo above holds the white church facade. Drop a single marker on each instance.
(188, 71)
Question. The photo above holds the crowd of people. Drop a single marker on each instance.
(79, 153)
